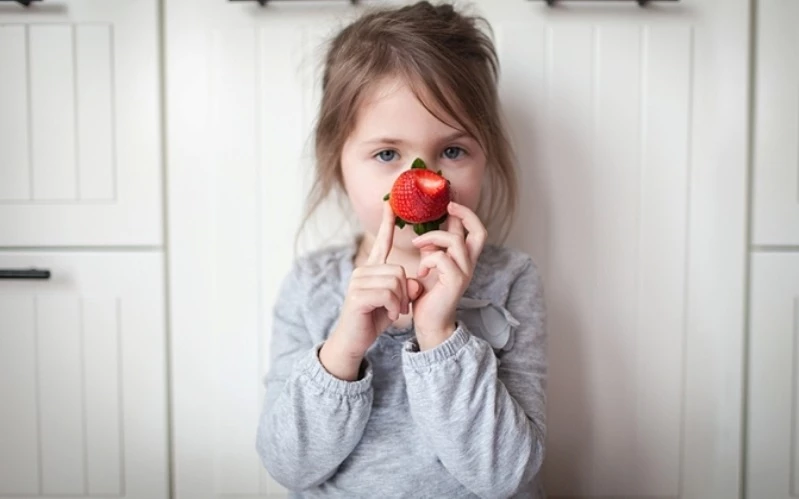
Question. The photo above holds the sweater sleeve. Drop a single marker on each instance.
(310, 421)
(483, 414)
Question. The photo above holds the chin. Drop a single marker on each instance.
(403, 238)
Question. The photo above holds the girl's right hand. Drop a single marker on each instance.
(378, 293)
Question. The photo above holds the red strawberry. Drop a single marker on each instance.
(420, 197)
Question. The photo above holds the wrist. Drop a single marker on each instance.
(339, 362)
(430, 337)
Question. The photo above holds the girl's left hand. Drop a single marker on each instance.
(445, 270)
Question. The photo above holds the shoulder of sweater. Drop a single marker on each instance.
(498, 268)
(323, 264)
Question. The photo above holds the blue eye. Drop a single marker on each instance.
(453, 152)
(387, 155)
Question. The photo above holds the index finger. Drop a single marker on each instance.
(455, 225)
(384, 238)
(471, 222)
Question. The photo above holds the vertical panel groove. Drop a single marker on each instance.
(751, 144)
(794, 373)
(687, 252)
(29, 104)
(120, 401)
(643, 119)
(596, 71)
(82, 353)
(112, 73)
(75, 108)
(548, 62)
(259, 68)
(37, 384)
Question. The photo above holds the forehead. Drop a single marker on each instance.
(391, 107)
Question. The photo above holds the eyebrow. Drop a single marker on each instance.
(385, 140)
(394, 141)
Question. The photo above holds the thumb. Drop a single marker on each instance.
(414, 289)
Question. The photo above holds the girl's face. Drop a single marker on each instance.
(392, 129)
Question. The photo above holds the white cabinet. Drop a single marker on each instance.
(631, 128)
(776, 125)
(772, 465)
(83, 385)
(240, 94)
(80, 134)
(631, 132)
(83, 378)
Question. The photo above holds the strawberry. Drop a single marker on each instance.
(420, 197)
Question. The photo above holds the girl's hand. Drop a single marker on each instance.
(378, 293)
(446, 268)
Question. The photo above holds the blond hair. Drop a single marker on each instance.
(442, 55)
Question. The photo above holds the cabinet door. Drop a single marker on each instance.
(80, 153)
(776, 124)
(630, 125)
(241, 92)
(82, 377)
(772, 467)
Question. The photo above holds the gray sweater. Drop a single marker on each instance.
(464, 419)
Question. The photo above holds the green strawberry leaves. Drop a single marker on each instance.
(420, 229)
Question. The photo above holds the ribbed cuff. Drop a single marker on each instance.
(312, 367)
(422, 361)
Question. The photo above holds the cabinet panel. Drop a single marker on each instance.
(80, 134)
(772, 467)
(83, 377)
(776, 124)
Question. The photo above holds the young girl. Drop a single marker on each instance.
(408, 366)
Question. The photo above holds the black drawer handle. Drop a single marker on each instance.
(24, 273)
(26, 3)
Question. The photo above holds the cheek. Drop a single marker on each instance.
(468, 187)
(467, 195)
(365, 195)
(368, 209)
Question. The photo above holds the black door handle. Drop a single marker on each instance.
(26, 3)
(24, 273)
